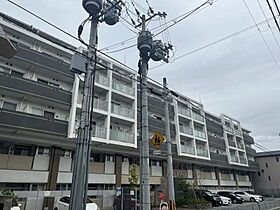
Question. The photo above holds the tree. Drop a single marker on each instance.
(184, 193)
(133, 178)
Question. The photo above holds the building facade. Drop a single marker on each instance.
(267, 179)
(40, 106)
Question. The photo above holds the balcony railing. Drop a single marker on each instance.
(100, 104)
(198, 117)
(99, 132)
(186, 130)
(102, 79)
(243, 160)
(240, 146)
(184, 111)
(125, 111)
(231, 143)
(202, 152)
(123, 88)
(228, 129)
(188, 149)
(234, 159)
(121, 136)
(200, 134)
(238, 132)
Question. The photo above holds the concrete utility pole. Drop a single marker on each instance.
(144, 54)
(110, 15)
(157, 51)
(171, 193)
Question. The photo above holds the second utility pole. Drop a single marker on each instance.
(171, 193)
(145, 185)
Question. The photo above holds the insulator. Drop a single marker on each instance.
(93, 7)
(145, 42)
(158, 52)
(112, 14)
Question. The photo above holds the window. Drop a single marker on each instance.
(269, 178)
(9, 106)
(259, 173)
(277, 159)
(21, 150)
(65, 153)
(110, 158)
(125, 159)
(49, 115)
(16, 74)
(37, 111)
(266, 165)
(43, 151)
(156, 163)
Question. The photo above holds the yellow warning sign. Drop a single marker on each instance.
(157, 139)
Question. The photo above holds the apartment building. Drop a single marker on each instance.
(267, 179)
(40, 106)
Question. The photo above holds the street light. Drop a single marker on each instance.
(7, 49)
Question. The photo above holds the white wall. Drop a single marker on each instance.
(109, 167)
(156, 171)
(65, 164)
(64, 177)
(17, 176)
(41, 162)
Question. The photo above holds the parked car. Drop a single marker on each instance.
(15, 205)
(225, 200)
(214, 199)
(249, 197)
(128, 201)
(234, 198)
(62, 203)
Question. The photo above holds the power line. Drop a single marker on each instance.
(215, 42)
(267, 1)
(277, 7)
(174, 20)
(262, 34)
(268, 24)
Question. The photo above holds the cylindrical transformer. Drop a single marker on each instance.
(158, 53)
(93, 7)
(112, 14)
(145, 42)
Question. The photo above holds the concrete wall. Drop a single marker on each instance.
(41, 162)
(65, 164)
(15, 162)
(18, 176)
(96, 168)
(66, 177)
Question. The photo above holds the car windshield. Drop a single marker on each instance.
(209, 193)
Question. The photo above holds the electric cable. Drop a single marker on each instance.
(215, 42)
(248, 9)
(271, 10)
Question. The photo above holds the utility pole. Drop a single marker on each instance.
(154, 49)
(110, 15)
(171, 193)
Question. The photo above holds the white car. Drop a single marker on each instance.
(225, 200)
(63, 204)
(249, 197)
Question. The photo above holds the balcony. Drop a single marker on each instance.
(216, 142)
(238, 132)
(200, 134)
(125, 111)
(240, 146)
(219, 158)
(99, 132)
(184, 111)
(187, 149)
(250, 150)
(186, 130)
(214, 127)
(100, 104)
(228, 129)
(126, 137)
(16, 162)
(243, 160)
(231, 143)
(248, 139)
(26, 121)
(198, 117)
(202, 152)
(253, 164)
(117, 85)
(102, 79)
(234, 159)
(33, 88)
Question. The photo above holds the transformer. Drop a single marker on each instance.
(112, 14)
(158, 51)
(93, 7)
(145, 42)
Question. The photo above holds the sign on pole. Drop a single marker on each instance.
(157, 140)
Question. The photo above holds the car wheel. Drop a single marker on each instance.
(55, 208)
(252, 199)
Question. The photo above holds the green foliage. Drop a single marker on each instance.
(8, 193)
(133, 178)
(185, 195)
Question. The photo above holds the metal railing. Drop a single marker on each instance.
(198, 117)
(234, 159)
(99, 132)
(200, 134)
(231, 143)
(100, 104)
(125, 111)
(243, 160)
(184, 111)
(121, 136)
(188, 149)
(102, 79)
(186, 130)
(202, 152)
(123, 88)
(240, 146)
